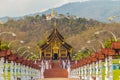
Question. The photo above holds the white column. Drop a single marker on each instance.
(27, 73)
(2, 69)
(11, 70)
(15, 71)
(100, 69)
(82, 71)
(42, 70)
(111, 68)
(6, 70)
(18, 70)
(106, 69)
(23, 72)
(97, 76)
(79, 72)
(93, 69)
(90, 72)
(85, 71)
(68, 69)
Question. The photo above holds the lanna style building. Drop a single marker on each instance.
(55, 47)
(55, 56)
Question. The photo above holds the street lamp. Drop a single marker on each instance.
(13, 34)
(89, 47)
(98, 41)
(98, 32)
(28, 47)
(25, 52)
(22, 42)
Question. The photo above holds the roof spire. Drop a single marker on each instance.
(55, 25)
(53, 13)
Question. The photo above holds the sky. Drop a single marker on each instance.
(14, 8)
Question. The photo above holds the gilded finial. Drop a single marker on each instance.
(55, 25)
(53, 13)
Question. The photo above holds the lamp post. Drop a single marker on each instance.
(13, 34)
(21, 41)
(28, 47)
(114, 36)
(98, 41)
(89, 47)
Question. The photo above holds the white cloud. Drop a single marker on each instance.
(23, 7)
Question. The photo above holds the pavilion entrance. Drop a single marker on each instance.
(55, 56)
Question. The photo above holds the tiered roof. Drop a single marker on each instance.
(55, 34)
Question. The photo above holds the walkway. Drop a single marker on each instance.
(58, 79)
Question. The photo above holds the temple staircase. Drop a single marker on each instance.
(56, 71)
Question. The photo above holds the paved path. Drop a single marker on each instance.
(58, 79)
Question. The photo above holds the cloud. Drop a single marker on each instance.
(23, 7)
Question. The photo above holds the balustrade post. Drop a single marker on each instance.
(25, 72)
(79, 72)
(82, 72)
(15, 69)
(42, 70)
(92, 69)
(6, 70)
(106, 68)
(97, 76)
(2, 69)
(90, 72)
(22, 72)
(100, 69)
(18, 70)
(85, 71)
(11, 70)
(111, 68)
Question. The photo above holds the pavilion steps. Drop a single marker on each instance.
(56, 71)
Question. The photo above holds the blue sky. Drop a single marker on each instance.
(14, 8)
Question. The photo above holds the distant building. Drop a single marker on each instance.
(54, 14)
